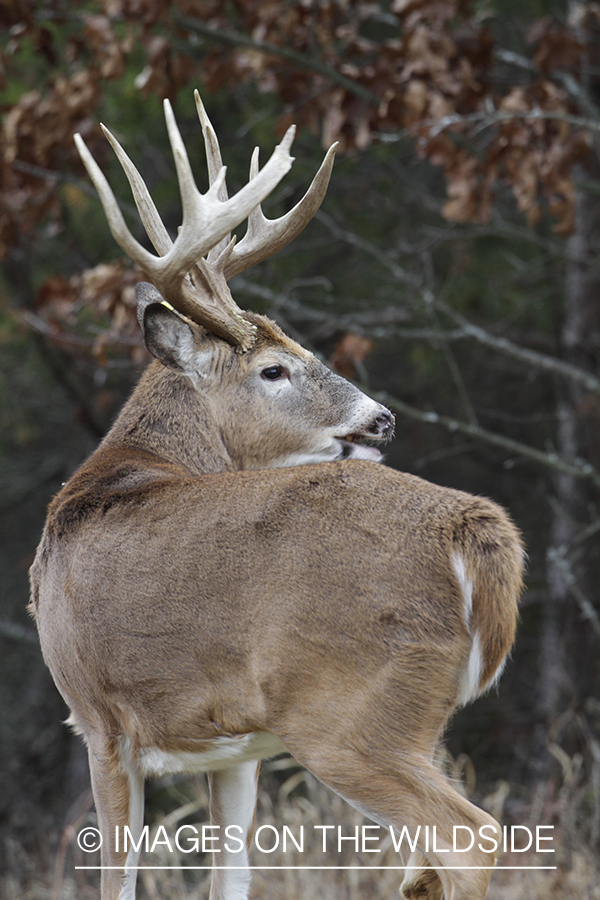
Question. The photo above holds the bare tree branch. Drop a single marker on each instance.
(15, 487)
(503, 345)
(515, 59)
(530, 357)
(577, 469)
(300, 59)
(17, 632)
(57, 177)
(588, 611)
(485, 119)
(366, 246)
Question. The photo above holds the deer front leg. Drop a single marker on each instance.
(232, 805)
(118, 788)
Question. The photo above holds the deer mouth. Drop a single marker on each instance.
(359, 444)
(356, 446)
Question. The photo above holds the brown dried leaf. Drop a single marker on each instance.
(55, 299)
(334, 119)
(563, 209)
(416, 99)
(557, 47)
(107, 49)
(351, 352)
(462, 189)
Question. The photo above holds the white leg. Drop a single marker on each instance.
(118, 788)
(136, 824)
(232, 803)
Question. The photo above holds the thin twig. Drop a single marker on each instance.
(453, 366)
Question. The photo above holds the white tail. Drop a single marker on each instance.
(203, 601)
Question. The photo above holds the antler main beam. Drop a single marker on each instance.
(194, 285)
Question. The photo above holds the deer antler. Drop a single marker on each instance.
(192, 272)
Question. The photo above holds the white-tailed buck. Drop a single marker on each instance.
(230, 575)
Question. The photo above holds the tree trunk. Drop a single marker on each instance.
(569, 646)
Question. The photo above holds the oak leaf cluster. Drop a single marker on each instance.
(428, 70)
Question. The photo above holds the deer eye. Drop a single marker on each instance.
(273, 373)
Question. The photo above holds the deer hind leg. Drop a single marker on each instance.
(233, 803)
(118, 788)
(416, 797)
(420, 882)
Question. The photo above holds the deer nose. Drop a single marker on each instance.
(384, 422)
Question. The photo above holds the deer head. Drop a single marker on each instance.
(261, 399)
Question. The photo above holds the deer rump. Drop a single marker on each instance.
(345, 596)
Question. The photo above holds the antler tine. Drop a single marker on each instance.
(113, 214)
(190, 194)
(265, 237)
(206, 219)
(207, 222)
(211, 143)
(214, 164)
(151, 220)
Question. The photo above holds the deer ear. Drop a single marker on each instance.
(167, 336)
(145, 294)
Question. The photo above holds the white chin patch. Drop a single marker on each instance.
(338, 449)
(352, 450)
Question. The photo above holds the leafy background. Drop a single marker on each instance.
(453, 271)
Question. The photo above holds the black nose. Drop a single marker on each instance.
(384, 422)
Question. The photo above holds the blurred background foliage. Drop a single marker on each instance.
(453, 271)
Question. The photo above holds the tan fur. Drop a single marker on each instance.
(321, 607)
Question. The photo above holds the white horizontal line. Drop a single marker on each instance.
(315, 868)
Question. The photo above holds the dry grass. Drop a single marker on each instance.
(291, 796)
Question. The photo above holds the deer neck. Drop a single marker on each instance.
(166, 416)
